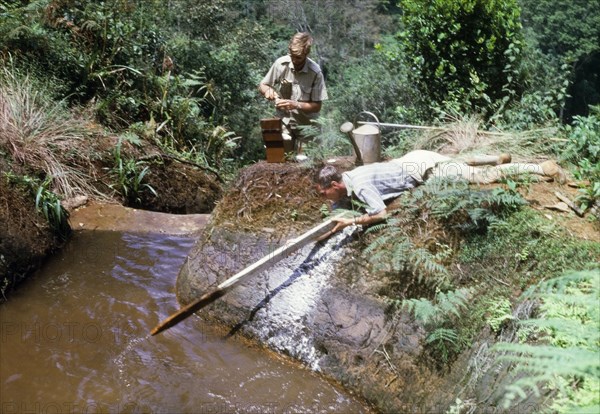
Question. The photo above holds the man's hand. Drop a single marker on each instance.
(271, 95)
(341, 224)
(286, 104)
(268, 92)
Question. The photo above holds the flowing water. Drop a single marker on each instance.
(74, 339)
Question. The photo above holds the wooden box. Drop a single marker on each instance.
(270, 124)
(273, 139)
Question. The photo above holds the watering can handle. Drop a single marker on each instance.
(368, 113)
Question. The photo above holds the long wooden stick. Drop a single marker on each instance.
(431, 128)
(256, 268)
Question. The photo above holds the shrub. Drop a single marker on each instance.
(583, 150)
(129, 176)
(464, 53)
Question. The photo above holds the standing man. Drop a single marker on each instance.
(296, 84)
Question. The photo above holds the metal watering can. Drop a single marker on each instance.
(366, 140)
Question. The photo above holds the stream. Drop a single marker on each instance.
(75, 339)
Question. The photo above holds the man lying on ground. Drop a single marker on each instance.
(373, 184)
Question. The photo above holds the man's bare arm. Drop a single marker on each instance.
(268, 91)
(363, 220)
(289, 104)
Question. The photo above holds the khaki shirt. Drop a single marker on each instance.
(417, 163)
(305, 85)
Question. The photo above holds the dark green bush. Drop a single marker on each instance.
(464, 54)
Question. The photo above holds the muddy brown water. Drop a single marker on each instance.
(74, 339)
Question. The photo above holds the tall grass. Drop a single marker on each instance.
(41, 134)
(467, 134)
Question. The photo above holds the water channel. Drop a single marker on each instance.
(74, 339)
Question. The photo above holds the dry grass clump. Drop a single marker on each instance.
(464, 135)
(271, 195)
(41, 135)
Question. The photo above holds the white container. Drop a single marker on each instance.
(368, 141)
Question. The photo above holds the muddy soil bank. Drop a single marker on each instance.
(26, 237)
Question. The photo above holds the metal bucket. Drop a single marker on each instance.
(368, 141)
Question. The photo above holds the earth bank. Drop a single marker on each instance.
(325, 305)
(27, 237)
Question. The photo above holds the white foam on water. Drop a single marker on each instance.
(292, 305)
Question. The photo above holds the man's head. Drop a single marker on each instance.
(299, 48)
(330, 184)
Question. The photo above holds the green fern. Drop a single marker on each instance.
(424, 310)
(433, 313)
(451, 200)
(569, 353)
(453, 204)
(438, 316)
(442, 335)
(444, 343)
(499, 311)
(393, 250)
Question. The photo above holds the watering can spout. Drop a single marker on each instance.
(347, 128)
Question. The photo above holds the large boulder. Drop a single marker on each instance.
(319, 305)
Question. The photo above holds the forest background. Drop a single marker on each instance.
(183, 75)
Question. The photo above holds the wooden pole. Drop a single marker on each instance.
(270, 259)
(431, 128)
(406, 126)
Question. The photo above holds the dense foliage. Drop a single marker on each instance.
(568, 32)
(182, 75)
(583, 150)
(169, 72)
(464, 53)
(565, 350)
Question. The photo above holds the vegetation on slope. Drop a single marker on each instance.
(102, 98)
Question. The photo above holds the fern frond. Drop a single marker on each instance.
(442, 334)
(423, 310)
(560, 284)
(401, 253)
(550, 360)
(90, 25)
(379, 242)
(573, 337)
(453, 301)
(568, 333)
(378, 227)
(425, 263)
(430, 313)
